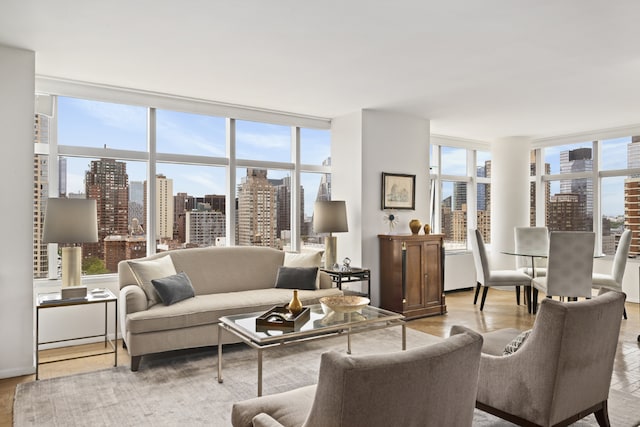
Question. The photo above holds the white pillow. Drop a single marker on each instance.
(145, 271)
(307, 259)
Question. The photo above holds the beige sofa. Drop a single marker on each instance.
(226, 280)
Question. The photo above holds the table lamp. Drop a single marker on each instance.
(330, 217)
(71, 221)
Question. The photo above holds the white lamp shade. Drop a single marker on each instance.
(330, 217)
(70, 221)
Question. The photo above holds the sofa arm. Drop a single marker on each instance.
(132, 299)
(264, 420)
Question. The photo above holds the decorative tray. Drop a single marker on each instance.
(280, 318)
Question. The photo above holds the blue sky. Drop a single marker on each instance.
(117, 126)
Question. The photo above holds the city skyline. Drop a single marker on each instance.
(118, 126)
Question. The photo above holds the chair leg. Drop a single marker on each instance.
(534, 302)
(484, 297)
(475, 298)
(517, 295)
(624, 313)
(602, 416)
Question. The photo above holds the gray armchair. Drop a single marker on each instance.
(562, 372)
(433, 385)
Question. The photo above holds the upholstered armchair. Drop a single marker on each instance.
(433, 385)
(561, 372)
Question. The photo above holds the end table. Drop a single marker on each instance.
(353, 274)
(97, 296)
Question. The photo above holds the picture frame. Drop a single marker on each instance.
(398, 191)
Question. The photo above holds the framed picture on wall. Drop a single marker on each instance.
(398, 191)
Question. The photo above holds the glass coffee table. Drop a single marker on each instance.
(320, 325)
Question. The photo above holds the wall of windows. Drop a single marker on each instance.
(593, 186)
(215, 180)
(461, 193)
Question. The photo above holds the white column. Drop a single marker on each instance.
(509, 196)
(17, 87)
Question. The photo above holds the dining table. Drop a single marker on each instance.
(533, 254)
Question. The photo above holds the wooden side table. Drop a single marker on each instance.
(52, 300)
(353, 274)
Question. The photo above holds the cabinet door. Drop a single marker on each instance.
(432, 266)
(416, 275)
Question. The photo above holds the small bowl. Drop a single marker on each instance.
(346, 303)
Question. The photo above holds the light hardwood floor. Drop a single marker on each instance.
(500, 311)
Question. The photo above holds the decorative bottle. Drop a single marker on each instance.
(295, 306)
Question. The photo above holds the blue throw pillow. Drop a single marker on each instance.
(174, 288)
(297, 278)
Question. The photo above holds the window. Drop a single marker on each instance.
(104, 152)
(571, 202)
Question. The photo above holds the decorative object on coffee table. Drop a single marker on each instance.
(295, 305)
(280, 318)
(346, 303)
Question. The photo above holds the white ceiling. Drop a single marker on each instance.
(479, 69)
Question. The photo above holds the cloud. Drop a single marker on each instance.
(180, 139)
(119, 116)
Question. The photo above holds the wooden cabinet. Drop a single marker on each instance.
(412, 274)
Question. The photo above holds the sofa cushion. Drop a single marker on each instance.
(174, 288)
(305, 259)
(145, 271)
(207, 309)
(297, 278)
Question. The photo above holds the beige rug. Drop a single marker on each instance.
(182, 390)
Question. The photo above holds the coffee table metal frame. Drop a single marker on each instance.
(368, 319)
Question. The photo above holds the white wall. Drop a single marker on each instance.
(17, 72)
(365, 144)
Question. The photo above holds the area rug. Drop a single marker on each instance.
(182, 388)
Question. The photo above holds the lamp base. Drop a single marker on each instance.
(73, 292)
(71, 266)
(330, 252)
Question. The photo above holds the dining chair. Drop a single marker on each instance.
(569, 266)
(613, 281)
(485, 277)
(532, 240)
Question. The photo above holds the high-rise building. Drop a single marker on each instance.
(532, 192)
(40, 197)
(217, 202)
(632, 196)
(257, 220)
(572, 161)
(566, 213)
(62, 177)
(136, 202)
(164, 207)
(107, 182)
(324, 189)
(283, 206)
(204, 227)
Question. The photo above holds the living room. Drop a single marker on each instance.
(388, 82)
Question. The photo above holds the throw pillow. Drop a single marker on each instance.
(145, 271)
(516, 343)
(174, 288)
(311, 259)
(297, 278)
